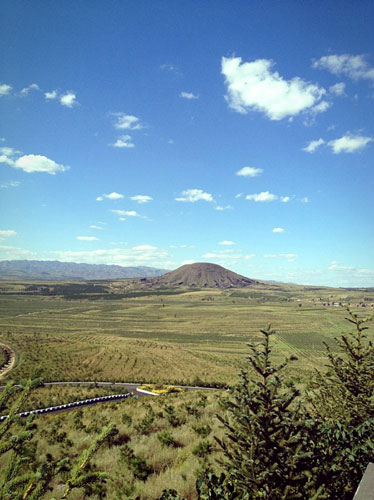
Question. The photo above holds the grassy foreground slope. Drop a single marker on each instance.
(163, 335)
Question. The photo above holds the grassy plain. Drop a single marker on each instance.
(169, 336)
(166, 336)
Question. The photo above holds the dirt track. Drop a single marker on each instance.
(11, 360)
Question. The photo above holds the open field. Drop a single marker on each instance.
(165, 335)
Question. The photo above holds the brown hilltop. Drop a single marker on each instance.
(202, 275)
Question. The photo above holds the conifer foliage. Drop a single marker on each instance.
(269, 441)
(25, 476)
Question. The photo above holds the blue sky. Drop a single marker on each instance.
(160, 133)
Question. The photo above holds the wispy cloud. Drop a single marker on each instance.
(87, 238)
(290, 257)
(5, 233)
(278, 230)
(10, 184)
(338, 89)
(26, 90)
(127, 122)
(193, 195)
(124, 141)
(126, 213)
(355, 67)
(249, 172)
(188, 95)
(141, 198)
(226, 243)
(254, 86)
(312, 146)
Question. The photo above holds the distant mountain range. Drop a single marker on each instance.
(70, 271)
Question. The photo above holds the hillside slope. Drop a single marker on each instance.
(202, 275)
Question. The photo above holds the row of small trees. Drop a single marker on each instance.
(277, 446)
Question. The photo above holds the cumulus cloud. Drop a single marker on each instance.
(124, 141)
(249, 171)
(68, 99)
(254, 86)
(313, 145)
(127, 122)
(30, 163)
(110, 196)
(262, 197)
(226, 243)
(141, 198)
(285, 199)
(87, 238)
(349, 143)
(50, 95)
(188, 95)
(5, 233)
(193, 195)
(5, 89)
(278, 230)
(355, 67)
(38, 163)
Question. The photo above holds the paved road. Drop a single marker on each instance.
(129, 389)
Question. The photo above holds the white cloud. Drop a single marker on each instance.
(7, 160)
(141, 198)
(5, 233)
(193, 195)
(94, 226)
(221, 208)
(10, 184)
(338, 89)
(5, 89)
(226, 243)
(110, 196)
(38, 163)
(126, 213)
(313, 145)
(33, 86)
(290, 257)
(285, 199)
(349, 143)
(249, 171)
(68, 99)
(87, 238)
(278, 230)
(148, 255)
(250, 256)
(355, 67)
(254, 86)
(50, 95)
(262, 197)
(239, 195)
(188, 95)
(127, 122)
(124, 141)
